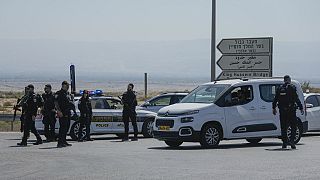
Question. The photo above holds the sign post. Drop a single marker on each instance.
(245, 57)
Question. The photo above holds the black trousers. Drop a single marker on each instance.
(64, 128)
(133, 117)
(85, 121)
(29, 125)
(288, 118)
(49, 122)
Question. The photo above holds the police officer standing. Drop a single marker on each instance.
(49, 113)
(30, 105)
(287, 100)
(129, 101)
(64, 105)
(85, 116)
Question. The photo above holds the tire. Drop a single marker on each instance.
(298, 134)
(173, 144)
(210, 136)
(147, 129)
(75, 129)
(254, 140)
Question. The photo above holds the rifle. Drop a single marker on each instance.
(15, 108)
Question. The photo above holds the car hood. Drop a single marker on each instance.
(181, 108)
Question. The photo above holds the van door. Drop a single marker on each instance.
(313, 115)
(241, 113)
(267, 93)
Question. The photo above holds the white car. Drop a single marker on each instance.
(107, 119)
(229, 109)
(156, 103)
(313, 110)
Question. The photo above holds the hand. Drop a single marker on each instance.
(33, 118)
(59, 113)
(274, 112)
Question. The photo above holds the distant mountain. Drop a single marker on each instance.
(187, 59)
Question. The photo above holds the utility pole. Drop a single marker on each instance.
(213, 41)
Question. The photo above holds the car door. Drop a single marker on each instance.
(313, 113)
(241, 112)
(267, 93)
(101, 117)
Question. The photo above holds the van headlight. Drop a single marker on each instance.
(186, 119)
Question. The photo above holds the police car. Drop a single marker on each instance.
(227, 109)
(313, 110)
(107, 119)
(165, 99)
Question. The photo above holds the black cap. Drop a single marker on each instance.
(286, 77)
(65, 83)
(131, 85)
(30, 86)
(48, 86)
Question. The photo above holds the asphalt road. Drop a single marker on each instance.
(108, 158)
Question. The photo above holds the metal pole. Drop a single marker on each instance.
(213, 41)
(145, 85)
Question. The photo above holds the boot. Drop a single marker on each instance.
(22, 143)
(39, 141)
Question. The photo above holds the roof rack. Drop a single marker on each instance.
(248, 78)
(175, 92)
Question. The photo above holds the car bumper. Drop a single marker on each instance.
(194, 136)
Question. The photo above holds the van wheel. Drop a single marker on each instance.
(147, 129)
(298, 134)
(254, 140)
(173, 144)
(210, 136)
(75, 130)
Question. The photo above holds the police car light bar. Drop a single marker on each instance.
(92, 93)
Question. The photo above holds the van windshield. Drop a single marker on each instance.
(205, 94)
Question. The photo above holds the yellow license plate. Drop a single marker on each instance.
(164, 128)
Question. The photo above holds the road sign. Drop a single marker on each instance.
(244, 62)
(243, 74)
(245, 45)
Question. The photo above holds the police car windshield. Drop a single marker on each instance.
(205, 94)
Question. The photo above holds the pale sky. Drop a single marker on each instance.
(94, 21)
(145, 20)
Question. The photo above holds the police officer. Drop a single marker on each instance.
(287, 100)
(49, 113)
(129, 101)
(64, 105)
(30, 104)
(85, 116)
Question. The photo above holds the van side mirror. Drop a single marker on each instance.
(309, 105)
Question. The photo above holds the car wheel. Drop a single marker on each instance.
(254, 140)
(210, 136)
(147, 129)
(75, 130)
(298, 134)
(173, 144)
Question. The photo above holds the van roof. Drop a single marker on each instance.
(238, 81)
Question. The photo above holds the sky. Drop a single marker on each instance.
(161, 23)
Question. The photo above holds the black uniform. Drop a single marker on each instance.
(85, 117)
(129, 111)
(30, 107)
(287, 101)
(64, 104)
(49, 116)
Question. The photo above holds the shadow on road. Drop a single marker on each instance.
(223, 146)
(311, 134)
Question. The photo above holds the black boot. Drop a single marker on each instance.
(284, 146)
(39, 141)
(22, 143)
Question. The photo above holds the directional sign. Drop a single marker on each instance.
(244, 62)
(245, 45)
(243, 74)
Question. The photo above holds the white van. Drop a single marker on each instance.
(228, 109)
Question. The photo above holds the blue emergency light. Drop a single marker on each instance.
(92, 93)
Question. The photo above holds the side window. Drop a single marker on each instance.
(99, 104)
(268, 91)
(114, 104)
(312, 100)
(161, 101)
(239, 96)
(176, 99)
